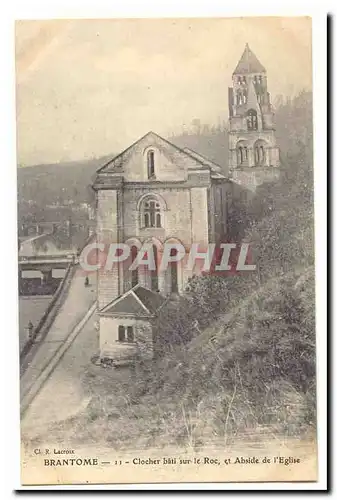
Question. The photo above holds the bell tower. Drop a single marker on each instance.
(253, 152)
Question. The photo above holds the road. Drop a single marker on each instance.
(62, 395)
(67, 325)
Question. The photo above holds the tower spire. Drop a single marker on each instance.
(248, 63)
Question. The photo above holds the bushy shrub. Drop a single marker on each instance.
(182, 318)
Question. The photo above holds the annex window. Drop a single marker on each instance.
(150, 164)
(125, 333)
(129, 334)
(121, 333)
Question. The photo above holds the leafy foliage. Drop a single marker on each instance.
(182, 319)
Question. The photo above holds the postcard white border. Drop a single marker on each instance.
(175, 8)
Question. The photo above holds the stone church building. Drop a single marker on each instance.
(156, 193)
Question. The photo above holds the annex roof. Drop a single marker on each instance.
(138, 301)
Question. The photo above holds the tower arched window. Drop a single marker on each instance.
(242, 152)
(150, 164)
(259, 153)
(240, 155)
(252, 120)
(240, 98)
(151, 215)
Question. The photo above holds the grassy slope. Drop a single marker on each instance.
(245, 377)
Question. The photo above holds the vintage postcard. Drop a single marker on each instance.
(166, 250)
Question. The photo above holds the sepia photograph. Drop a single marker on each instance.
(166, 250)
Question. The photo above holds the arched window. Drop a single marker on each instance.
(239, 80)
(244, 80)
(244, 96)
(134, 273)
(154, 273)
(151, 212)
(174, 272)
(152, 216)
(240, 155)
(252, 119)
(150, 164)
(259, 153)
(241, 152)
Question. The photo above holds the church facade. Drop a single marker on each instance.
(155, 193)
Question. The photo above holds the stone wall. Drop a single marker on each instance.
(107, 232)
(110, 346)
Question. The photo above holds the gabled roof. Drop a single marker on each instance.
(115, 165)
(248, 63)
(216, 170)
(138, 301)
(151, 300)
(203, 160)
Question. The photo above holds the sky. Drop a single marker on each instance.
(90, 88)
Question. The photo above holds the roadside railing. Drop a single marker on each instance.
(50, 313)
